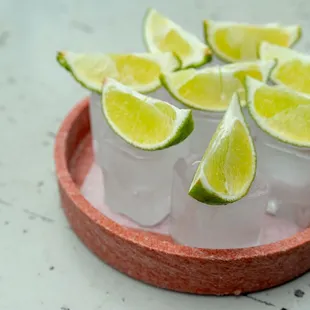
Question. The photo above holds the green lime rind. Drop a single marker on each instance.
(272, 71)
(298, 37)
(199, 193)
(61, 58)
(252, 113)
(183, 132)
(179, 62)
(206, 59)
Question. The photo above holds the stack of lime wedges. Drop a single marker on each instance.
(255, 54)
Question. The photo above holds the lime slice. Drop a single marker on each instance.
(211, 88)
(239, 42)
(139, 71)
(279, 111)
(144, 122)
(161, 34)
(292, 69)
(228, 167)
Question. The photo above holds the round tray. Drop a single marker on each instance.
(153, 258)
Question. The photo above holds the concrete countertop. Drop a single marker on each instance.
(42, 263)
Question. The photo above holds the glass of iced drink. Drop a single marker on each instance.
(219, 201)
(287, 170)
(137, 181)
(281, 117)
(196, 224)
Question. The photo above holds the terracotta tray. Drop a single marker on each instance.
(153, 258)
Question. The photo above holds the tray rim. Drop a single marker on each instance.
(130, 235)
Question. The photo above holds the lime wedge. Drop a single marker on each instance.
(279, 111)
(144, 122)
(139, 71)
(211, 88)
(228, 167)
(239, 41)
(292, 69)
(162, 34)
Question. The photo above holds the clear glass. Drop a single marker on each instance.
(236, 225)
(287, 170)
(137, 183)
(97, 122)
(254, 129)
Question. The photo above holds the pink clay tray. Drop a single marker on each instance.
(154, 258)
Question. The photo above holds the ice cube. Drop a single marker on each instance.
(195, 224)
(293, 212)
(92, 190)
(137, 183)
(272, 207)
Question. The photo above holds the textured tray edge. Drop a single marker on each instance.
(189, 267)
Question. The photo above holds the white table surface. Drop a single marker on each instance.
(42, 263)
